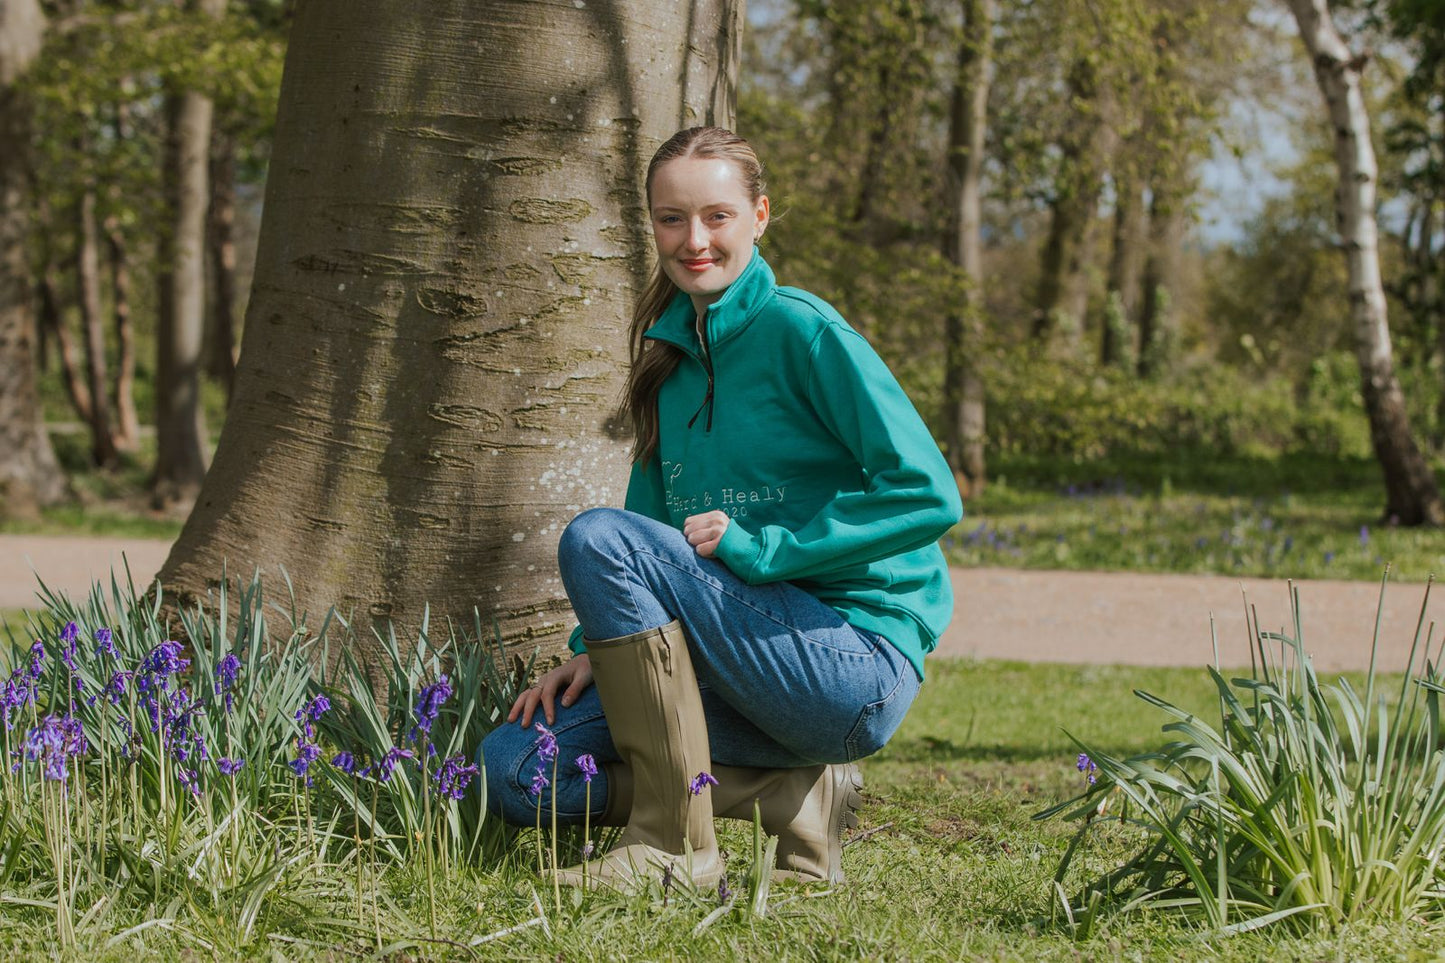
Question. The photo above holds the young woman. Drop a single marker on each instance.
(760, 608)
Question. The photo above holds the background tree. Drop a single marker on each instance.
(963, 390)
(452, 241)
(1412, 496)
(29, 473)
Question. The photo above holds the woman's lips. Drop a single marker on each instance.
(699, 265)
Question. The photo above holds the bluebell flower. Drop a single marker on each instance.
(229, 767)
(454, 775)
(311, 712)
(384, 767)
(68, 635)
(306, 754)
(700, 782)
(588, 765)
(189, 778)
(1364, 535)
(226, 672)
(1086, 766)
(546, 743)
(105, 644)
(345, 761)
(429, 706)
(539, 781)
(53, 742)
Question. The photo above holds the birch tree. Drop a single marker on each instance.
(1412, 497)
(452, 242)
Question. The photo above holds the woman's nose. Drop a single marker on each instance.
(697, 239)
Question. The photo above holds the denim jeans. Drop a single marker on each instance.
(785, 681)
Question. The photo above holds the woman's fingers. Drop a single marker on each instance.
(703, 532)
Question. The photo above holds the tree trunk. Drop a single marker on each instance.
(221, 356)
(1411, 495)
(53, 321)
(1168, 220)
(30, 477)
(963, 392)
(180, 422)
(1116, 341)
(87, 280)
(1063, 293)
(452, 242)
(127, 424)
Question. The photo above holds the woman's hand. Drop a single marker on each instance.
(571, 677)
(705, 531)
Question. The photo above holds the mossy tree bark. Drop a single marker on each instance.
(452, 242)
(1412, 496)
(29, 474)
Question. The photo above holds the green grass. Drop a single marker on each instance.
(947, 864)
(1301, 516)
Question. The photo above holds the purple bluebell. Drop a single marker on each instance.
(588, 765)
(229, 767)
(190, 779)
(306, 754)
(539, 782)
(311, 712)
(383, 768)
(68, 635)
(37, 656)
(105, 644)
(546, 743)
(1086, 766)
(153, 675)
(429, 706)
(345, 761)
(724, 893)
(1364, 534)
(454, 775)
(53, 742)
(700, 782)
(226, 672)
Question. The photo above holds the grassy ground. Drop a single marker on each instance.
(1301, 516)
(947, 864)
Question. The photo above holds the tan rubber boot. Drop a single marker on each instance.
(806, 808)
(650, 698)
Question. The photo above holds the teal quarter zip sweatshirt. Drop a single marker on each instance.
(783, 416)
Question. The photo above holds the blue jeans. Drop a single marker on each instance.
(785, 681)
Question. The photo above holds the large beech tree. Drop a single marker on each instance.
(452, 242)
(1412, 497)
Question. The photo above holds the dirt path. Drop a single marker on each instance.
(1000, 614)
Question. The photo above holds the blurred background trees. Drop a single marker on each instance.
(1033, 208)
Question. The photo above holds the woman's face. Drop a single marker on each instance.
(704, 224)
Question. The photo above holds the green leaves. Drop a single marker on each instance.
(1306, 806)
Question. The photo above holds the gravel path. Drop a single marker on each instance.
(1086, 617)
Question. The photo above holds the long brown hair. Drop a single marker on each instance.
(653, 361)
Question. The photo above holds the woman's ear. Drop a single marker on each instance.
(762, 213)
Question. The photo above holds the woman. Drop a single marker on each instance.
(760, 609)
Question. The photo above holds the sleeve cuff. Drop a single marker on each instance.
(739, 551)
(575, 643)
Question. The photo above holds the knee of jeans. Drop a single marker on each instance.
(502, 756)
(587, 537)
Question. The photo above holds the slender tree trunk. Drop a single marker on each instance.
(127, 424)
(52, 320)
(1412, 496)
(963, 389)
(30, 477)
(221, 358)
(87, 280)
(180, 422)
(452, 241)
